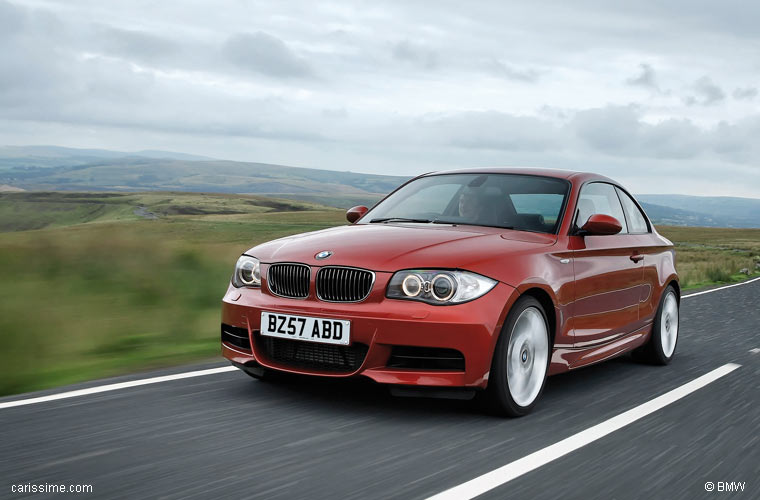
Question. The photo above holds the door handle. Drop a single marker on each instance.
(637, 257)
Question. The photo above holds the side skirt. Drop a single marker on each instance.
(566, 358)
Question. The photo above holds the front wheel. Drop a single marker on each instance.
(521, 360)
(661, 347)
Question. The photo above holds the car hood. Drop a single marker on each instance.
(390, 247)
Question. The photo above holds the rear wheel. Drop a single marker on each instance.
(520, 361)
(661, 347)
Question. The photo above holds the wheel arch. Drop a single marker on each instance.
(547, 302)
(673, 280)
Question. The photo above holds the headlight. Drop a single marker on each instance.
(247, 272)
(438, 287)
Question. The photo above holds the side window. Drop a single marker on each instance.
(599, 198)
(637, 223)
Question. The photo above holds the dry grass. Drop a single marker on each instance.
(706, 256)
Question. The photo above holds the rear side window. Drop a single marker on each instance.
(637, 223)
(599, 198)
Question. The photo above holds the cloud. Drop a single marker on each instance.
(12, 19)
(400, 86)
(510, 72)
(708, 93)
(138, 45)
(611, 129)
(646, 78)
(621, 132)
(616, 131)
(265, 54)
(737, 142)
(747, 93)
(487, 130)
(414, 53)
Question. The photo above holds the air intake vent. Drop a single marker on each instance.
(235, 336)
(426, 358)
(313, 355)
(344, 284)
(289, 280)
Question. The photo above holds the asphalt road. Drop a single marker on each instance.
(226, 435)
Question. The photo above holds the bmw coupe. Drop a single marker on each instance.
(485, 280)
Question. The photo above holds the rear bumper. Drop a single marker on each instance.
(379, 323)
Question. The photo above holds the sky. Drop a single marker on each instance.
(661, 96)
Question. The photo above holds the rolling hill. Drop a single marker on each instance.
(38, 168)
(708, 211)
(53, 168)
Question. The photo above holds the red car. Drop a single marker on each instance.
(486, 280)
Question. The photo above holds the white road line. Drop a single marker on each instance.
(115, 387)
(502, 475)
(720, 288)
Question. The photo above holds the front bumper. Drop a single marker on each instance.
(471, 328)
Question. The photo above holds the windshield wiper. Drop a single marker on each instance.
(400, 219)
(460, 223)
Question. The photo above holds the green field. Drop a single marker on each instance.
(99, 290)
(710, 255)
(100, 284)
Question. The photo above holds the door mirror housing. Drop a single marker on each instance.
(355, 213)
(600, 225)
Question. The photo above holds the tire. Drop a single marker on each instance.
(661, 347)
(520, 360)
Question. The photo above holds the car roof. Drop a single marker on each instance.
(545, 172)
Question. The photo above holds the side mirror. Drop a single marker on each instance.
(355, 213)
(600, 224)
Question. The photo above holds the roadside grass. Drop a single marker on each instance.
(98, 292)
(99, 299)
(712, 256)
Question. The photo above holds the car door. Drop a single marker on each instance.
(641, 234)
(608, 271)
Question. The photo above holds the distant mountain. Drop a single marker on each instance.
(58, 153)
(53, 168)
(717, 211)
(667, 216)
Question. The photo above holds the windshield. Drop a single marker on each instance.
(513, 201)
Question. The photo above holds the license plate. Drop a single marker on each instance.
(324, 330)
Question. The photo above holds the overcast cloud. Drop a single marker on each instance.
(662, 96)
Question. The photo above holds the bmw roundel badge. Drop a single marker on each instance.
(323, 255)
